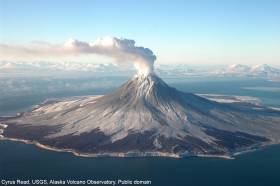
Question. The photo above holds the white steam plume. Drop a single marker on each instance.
(122, 50)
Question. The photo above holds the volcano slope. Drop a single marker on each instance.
(146, 117)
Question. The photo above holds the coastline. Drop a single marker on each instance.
(118, 155)
(230, 155)
(129, 154)
(133, 153)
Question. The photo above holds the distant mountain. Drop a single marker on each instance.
(59, 66)
(15, 65)
(182, 70)
(7, 65)
(257, 71)
(237, 68)
(64, 66)
(179, 70)
(265, 71)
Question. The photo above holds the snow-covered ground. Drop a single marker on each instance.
(2, 128)
(231, 98)
(145, 113)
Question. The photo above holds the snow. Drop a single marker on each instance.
(231, 98)
(2, 127)
(275, 108)
(147, 104)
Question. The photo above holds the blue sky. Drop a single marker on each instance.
(191, 32)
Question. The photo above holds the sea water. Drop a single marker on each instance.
(262, 167)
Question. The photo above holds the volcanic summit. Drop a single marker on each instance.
(146, 117)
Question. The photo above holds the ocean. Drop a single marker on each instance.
(262, 167)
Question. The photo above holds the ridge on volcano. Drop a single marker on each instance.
(143, 117)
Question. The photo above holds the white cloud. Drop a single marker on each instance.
(121, 50)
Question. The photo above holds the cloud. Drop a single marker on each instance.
(121, 50)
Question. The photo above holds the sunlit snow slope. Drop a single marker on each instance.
(147, 115)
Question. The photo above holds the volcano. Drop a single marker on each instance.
(146, 117)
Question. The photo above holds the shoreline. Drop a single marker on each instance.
(132, 154)
(230, 155)
(128, 154)
(112, 155)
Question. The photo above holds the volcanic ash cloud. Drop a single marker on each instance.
(121, 50)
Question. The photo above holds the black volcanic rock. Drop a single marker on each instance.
(147, 117)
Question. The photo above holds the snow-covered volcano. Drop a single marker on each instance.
(145, 116)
